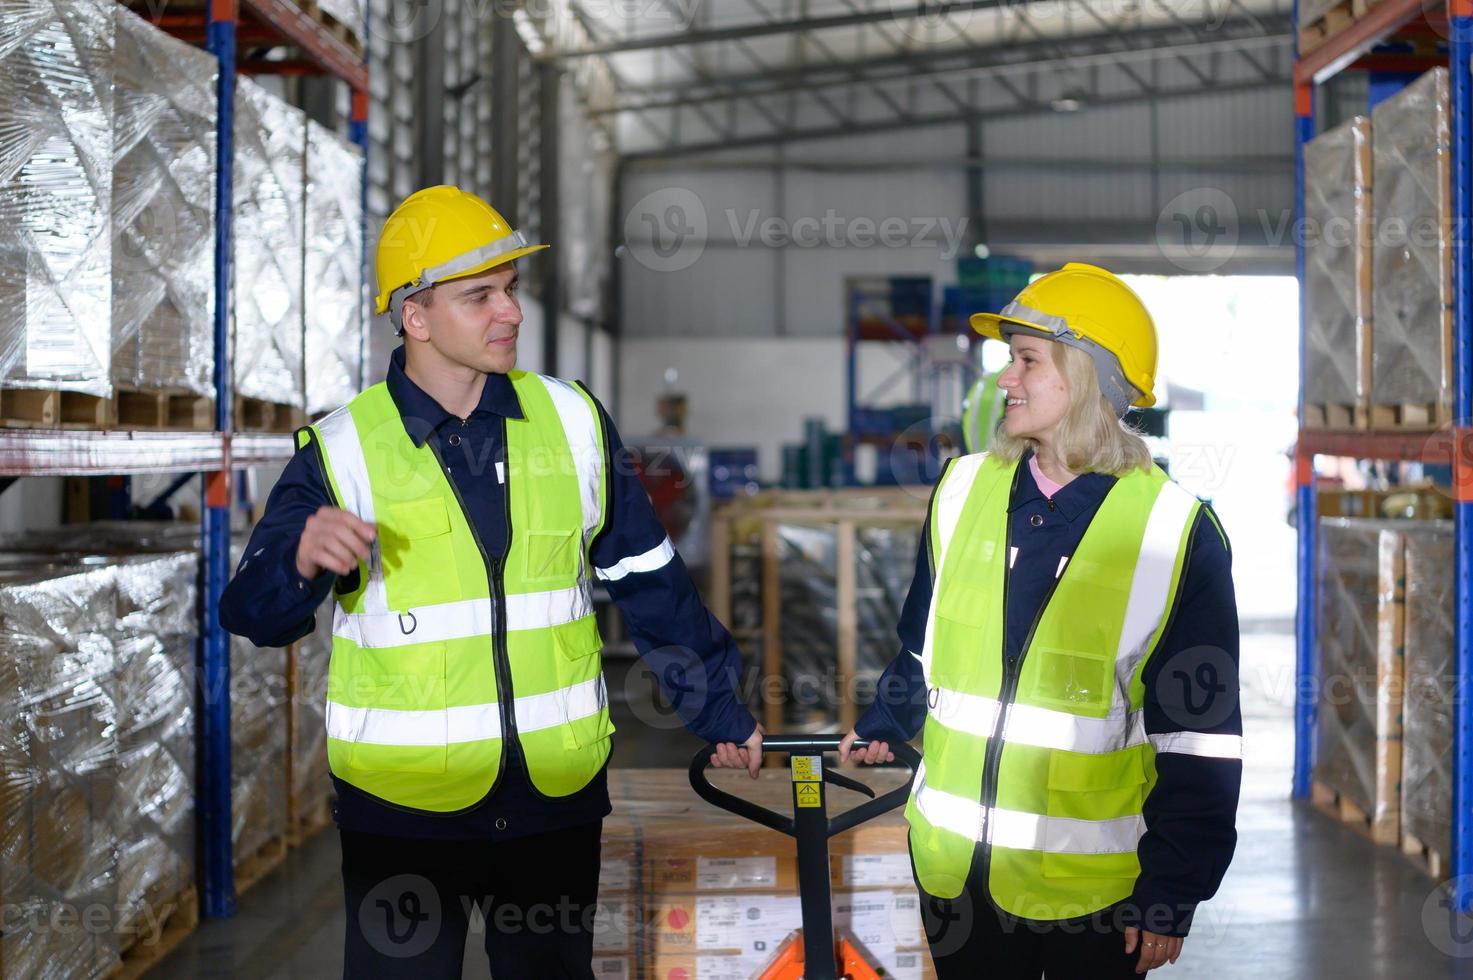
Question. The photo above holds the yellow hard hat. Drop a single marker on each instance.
(1090, 308)
(437, 234)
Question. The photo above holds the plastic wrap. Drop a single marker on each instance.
(155, 638)
(586, 178)
(1337, 265)
(687, 886)
(884, 566)
(1358, 753)
(58, 772)
(1411, 261)
(349, 13)
(163, 211)
(1427, 732)
(334, 258)
(267, 346)
(310, 784)
(258, 741)
(56, 105)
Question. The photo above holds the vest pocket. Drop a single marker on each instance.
(418, 554)
(1083, 786)
(552, 557)
(580, 672)
(1077, 681)
(404, 725)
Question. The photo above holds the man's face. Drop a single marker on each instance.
(472, 321)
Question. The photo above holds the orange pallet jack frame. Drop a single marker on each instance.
(814, 952)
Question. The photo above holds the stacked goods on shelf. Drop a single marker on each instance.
(267, 334)
(1427, 729)
(56, 138)
(718, 895)
(258, 754)
(58, 771)
(97, 803)
(1411, 279)
(163, 228)
(155, 639)
(1359, 654)
(342, 18)
(309, 785)
(1337, 277)
(334, 266)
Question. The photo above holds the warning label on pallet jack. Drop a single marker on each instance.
(807, 769)
(809, 794)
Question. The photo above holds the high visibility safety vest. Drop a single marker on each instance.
(1046, 762)
(442, 652)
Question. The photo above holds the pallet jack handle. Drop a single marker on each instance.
(811, 827)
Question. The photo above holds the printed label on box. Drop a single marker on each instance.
(615, 875)
(756, 925)
(876, 869)
(726, 967)
(879, 918)
(610, 968)
(901, 964)
(611, 926)
(726, 873)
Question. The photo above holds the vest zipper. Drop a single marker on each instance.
(1012, 671)
(495, 573)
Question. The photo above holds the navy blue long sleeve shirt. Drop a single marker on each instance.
(693, 655)
(1191, 686)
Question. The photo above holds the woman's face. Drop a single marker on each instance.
(1038, 396)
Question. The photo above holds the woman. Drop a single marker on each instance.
(1070, 642)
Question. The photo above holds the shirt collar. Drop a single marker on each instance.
(1083, 492)
(422, 415)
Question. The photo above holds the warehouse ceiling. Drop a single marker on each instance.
(682, 77)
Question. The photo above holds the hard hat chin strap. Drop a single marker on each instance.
(1121, 394)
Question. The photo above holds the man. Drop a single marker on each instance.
(458, 512)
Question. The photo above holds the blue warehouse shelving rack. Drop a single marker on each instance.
(1359, 47)
(214, 455)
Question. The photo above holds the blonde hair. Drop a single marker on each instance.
(1090, 437)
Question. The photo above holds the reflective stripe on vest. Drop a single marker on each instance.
(1073, 760)
(414, 715)
(1025, 831)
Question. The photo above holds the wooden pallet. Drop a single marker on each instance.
(333, 26)
(256, 415)
(175, 919)
(1432, 862)
(303, 826)
(260, 864)
(1332, 21)
(1336, 417)
(1335, 805)
(173, 410)
(41, 408)
(1409, 415)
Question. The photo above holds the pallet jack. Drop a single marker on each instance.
(813, 952)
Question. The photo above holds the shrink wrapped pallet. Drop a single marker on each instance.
(1359, 651)
(58, 771)
(1427, 732)
(56, 137)
(157, 630)
(1411, 373)
(258, 752)
(1337, 276)
(334, 257)
(163, 211)
(349, 13)
(267, 341)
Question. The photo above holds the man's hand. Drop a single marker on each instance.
(1155, 950)
(333, 540)
(746, 756)
(873, 754)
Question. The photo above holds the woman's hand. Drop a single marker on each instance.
(874, 753)
(1155, 950)
(746, 756)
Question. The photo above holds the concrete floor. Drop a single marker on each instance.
(1305, 897)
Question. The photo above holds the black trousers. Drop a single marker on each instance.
(410, 903)
(971, 938)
